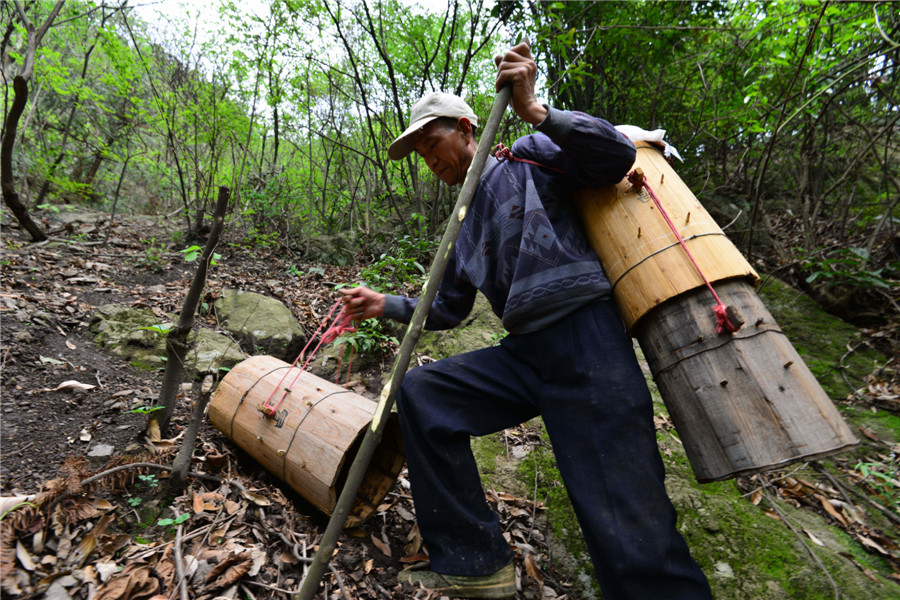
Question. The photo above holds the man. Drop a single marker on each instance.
(567, 357)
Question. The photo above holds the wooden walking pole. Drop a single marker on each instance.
(389, 393)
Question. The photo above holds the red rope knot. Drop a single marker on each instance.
(339, 326)
(636, 179)
(502, 153)
(342, 324)
(726, 319)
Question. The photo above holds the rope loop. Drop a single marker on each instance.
(341, 325)
(502, 153)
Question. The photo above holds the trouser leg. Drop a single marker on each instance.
(582, 376)
(599, 419)
(440, 406)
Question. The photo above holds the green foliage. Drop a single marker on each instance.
(151, 480)
(372, 337)
(192, 253)
(847, 266)
(145, 410)
(258, 238)
(883, 482)
(401, 267)
(158, 329)
(176, 521)
(152, 258)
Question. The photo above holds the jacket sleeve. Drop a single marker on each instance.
(588, 149)
(452, 303)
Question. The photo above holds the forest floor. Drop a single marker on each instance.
(67, 408)
(66, 405)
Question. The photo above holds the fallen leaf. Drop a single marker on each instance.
(256, 499)
(872, 544)
(153, 431)
(24, 557)
(831, 510)
(81, 552)
(814, 539)
(414, 537)
(228, 571)
(405, 513)
(756, 497)
(135, 582)
(258, 556)
(415, 558)
(70, 345)
(105, 569)
(868, 433)
(532, 569)
(385, 549)
(72, 385)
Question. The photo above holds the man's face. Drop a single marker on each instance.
(447, 151)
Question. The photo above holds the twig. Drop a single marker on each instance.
(340, 581)
(819, 468)
(248, 592)
(766, 482)
(783, 515)
(272, 587)
(108, 472)
(534, 497)
(179, 560)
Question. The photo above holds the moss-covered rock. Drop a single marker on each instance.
(262, 324)
(138, 336)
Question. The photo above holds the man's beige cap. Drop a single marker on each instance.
(428, 108)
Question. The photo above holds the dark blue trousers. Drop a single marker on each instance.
(581, 375)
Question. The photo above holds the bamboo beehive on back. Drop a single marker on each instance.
(741, 402)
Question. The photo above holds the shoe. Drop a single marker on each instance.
(500, 584)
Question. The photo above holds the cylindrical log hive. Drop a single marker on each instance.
(312, 439)
(741, 402)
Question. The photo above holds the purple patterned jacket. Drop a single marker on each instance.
(522, 243)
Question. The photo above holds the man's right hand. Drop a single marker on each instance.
(361, 303)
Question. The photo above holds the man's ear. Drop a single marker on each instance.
(464, 126)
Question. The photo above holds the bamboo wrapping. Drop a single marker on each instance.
(641, 256)
(312, 438)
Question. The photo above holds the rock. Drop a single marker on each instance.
(129, 333)
(262, 324)
(101, 451)
(482, 328)
(332, 250)
(22, 337)
(723, 570)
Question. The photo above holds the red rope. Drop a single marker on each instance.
(723, 320)
(339, 326)
(503, 153)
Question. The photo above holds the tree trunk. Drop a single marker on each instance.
(10, 197)
(176, 340)
(182, 463)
